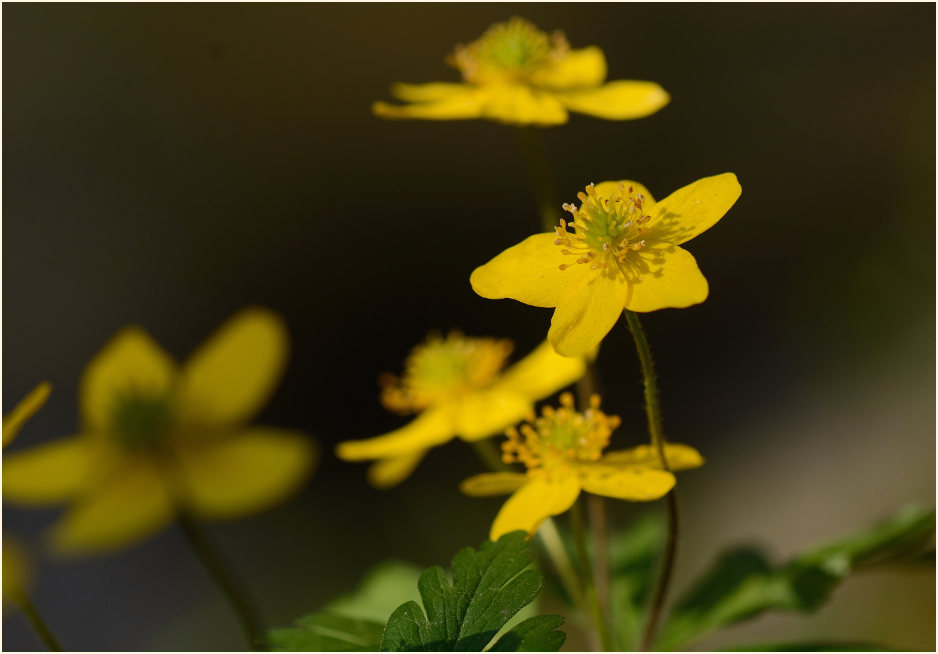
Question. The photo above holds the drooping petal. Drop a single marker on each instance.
(528, 272)
(454, 102)
(127, 508)
(130, 362)
(432, 427)
(619, 100)
(49, 473)
(26, 409)
(624, 481)
(692, 210)
(232, 375)
(17, 572)
(663, 276)
(516, 104)
(488, 413)
(585, 67)
(542, 373)
(587, 313)
(614, 188)
(680, 457)
(428, 92)
(246, 473)
(386, 473)
(493, 483)
(531, 504)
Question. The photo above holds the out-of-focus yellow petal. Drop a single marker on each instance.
(487, 413)
(26, 409)
(619, 100)
(48, 474)
(542, 373)
(387, 473)
(680, 457)
(586, 313)
(117, 513)
(664, 276)
(232, 375)
(692, 210)
(528, 272)
(131, 362)
(538, 499)
(493, 483)
(455, 102)
(580, 68)
(608, 189)
(516, 104)
(432, 427)
(428, 92)
(624, 481)
(16, 570)
(246, 473)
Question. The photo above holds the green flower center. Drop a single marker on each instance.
(140, 421)
(510, 51)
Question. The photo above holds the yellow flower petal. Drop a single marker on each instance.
(680, 457)
(692, 210)
(624, 481)
(17, 571)
(131, 361)
(664, 276)
(609, 189)
(542, 373)
(458, 102)
(493, 483)
(121, 511)
(580, 68)
(232, 375)
(246, 473)
(428, 92)
(587, 313)
(534, 502)
(432, 427)
(520, 105)
(386, 473)
(487, 413)
(528, 272)
(27, 407)
(619, 100)
(48, 474)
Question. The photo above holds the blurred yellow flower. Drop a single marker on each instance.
(158, 439)
(16, 570)
(563, 453)
(27, 407)
(519, 75)
(457, 386)
(622, 254)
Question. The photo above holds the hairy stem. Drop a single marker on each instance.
(535, 159)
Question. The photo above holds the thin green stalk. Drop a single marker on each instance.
(535, 159)
(221, 572)
(578, 527)
(489, 454)
(599, 529)
(38, 624)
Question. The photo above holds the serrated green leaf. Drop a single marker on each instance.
(488, 587)
(324, 632)
(537, 634)
(812, 646)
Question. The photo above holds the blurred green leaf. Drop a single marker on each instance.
(743, 584)
(383, 588)
(323, 632)
(633, 557)
(813, 646)
(488, 587)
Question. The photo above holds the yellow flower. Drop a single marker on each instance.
(519, 75)
(622, 253)
(563, 453)
(457, 386)
(157, 439)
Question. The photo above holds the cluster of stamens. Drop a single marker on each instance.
(441, 368)
(605, 229)
(560, 436)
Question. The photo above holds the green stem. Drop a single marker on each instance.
(535, 159)
(223, 575)
(557, 552)
(488, 452)
(38, 624)
(578, 527)
(599, 528)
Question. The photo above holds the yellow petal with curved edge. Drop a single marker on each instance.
(520, 105)
(694, 209)
(232, 375)
(580, 68)
(587, 313)
(26, 409)
(130, 506)
(542, 373)
(664, 276)
(428, 92)
(528, 272)
(387, 473)
(619, 100)
(680, 457)
(130, 362)
(616, 188)
(17, 572)
(624, 481)
(49, 473)
(493, 483)
(487, 413)
(432, 427)
(453, 103)
(249, 472)
(531, 504)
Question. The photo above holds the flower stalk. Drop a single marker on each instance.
(578, 527)
(535, 160)
(38, 624)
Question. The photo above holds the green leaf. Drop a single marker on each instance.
(383, 588)
(743, 583)
(488, 587)
(537, 634)
(813, 646)
(322, 632)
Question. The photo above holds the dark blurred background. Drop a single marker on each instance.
(168, 164)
